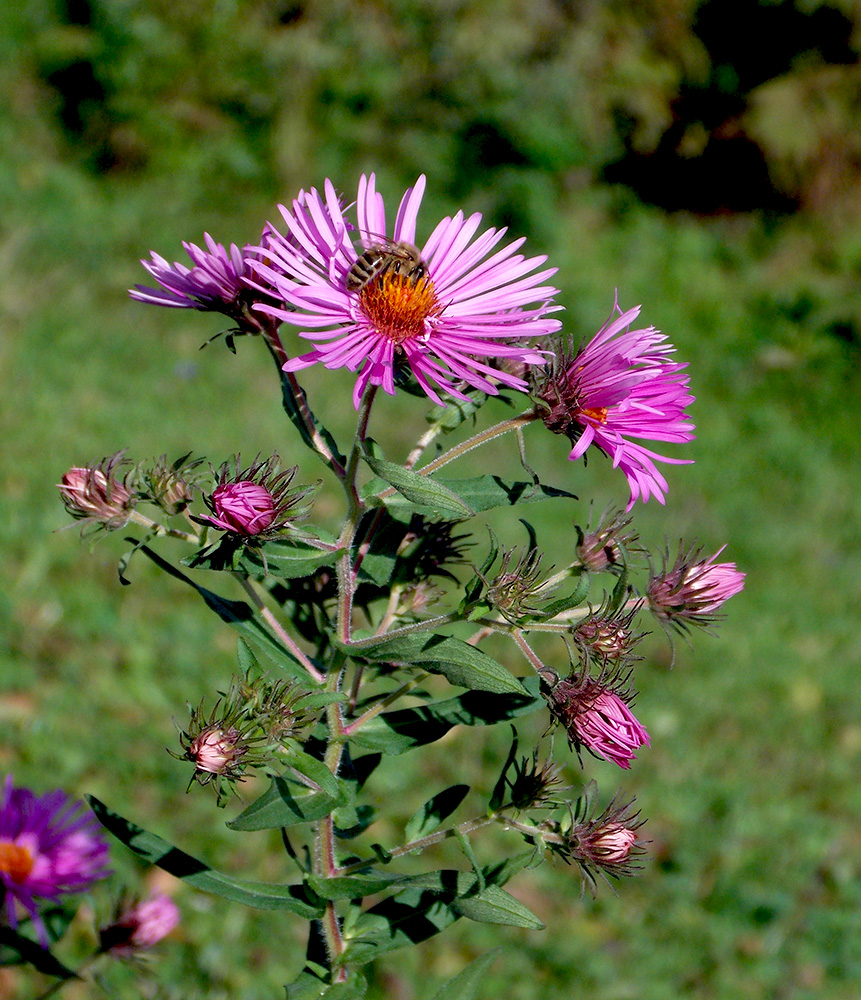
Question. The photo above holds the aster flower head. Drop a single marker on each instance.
(443, 311)
(217, 281)
(693, 590)
(47, 850)
(514, 590)
(139, 927)
(97, 495)
(621, 386)
(256, 503)
(168, 485)
(596, 714)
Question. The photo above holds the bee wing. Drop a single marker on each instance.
(383, 243)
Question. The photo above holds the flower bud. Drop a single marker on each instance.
(601, 549)
(693, 590)
(140, 927)
(93, 493)
(597, 717)
(606, 844)
(244, 508)
(216, 750)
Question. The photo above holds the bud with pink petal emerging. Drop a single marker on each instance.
(140, 927)
(255, 503)
(606, 547)
(95, 494)
(607, 844)
(693, 590)
(596, 715)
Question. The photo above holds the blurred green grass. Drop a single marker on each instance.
(751, 785)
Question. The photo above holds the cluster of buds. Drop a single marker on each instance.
(98, 495)
(244, 731)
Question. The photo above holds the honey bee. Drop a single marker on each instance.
(386, 257)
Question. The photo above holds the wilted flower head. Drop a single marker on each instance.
(693, 590)
(169, 485)
(96, 495)
(602, 549)
(139, 927)
(535, 785)
(515, 588)
(257, 502)
(596, 715)
(443, 311)
(605, 844)
(216, 282)
(621, 385)
(46, 851)
(608, 636)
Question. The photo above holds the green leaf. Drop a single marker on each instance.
(401, 730)
(280, 807)
(566, 603)
(354, 886)
(496, 906)
(464, 986)
(435, 811)
(293, 408)
(286, 558)
(314, 769)
(420, 489)
(486, 492)
(455, 659)
(263, 895)
(240, 617)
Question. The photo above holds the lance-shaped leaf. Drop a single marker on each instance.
(436, 900)
(287, 559)
(284, 804)
(486, 492)
(421, 490)
(455, 659)
(16, 949)
(401, 730)
(263, 895)
(435, 811)
(240, 617)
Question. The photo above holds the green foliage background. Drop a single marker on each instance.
(127, 126)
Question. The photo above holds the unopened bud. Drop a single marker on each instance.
(140, 927)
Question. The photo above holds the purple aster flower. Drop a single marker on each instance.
(46, 851)
(692, 590)
(445, 311)
(621, 385)
(217, 282)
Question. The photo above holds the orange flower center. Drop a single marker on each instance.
(599, 415)
(397, 307)
(15, 860)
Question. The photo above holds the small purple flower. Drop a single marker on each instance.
(621, 385)
(140, 927)
(445, 314)
(46, 851)
(597, 717)
(217, 282)
(692, 590)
